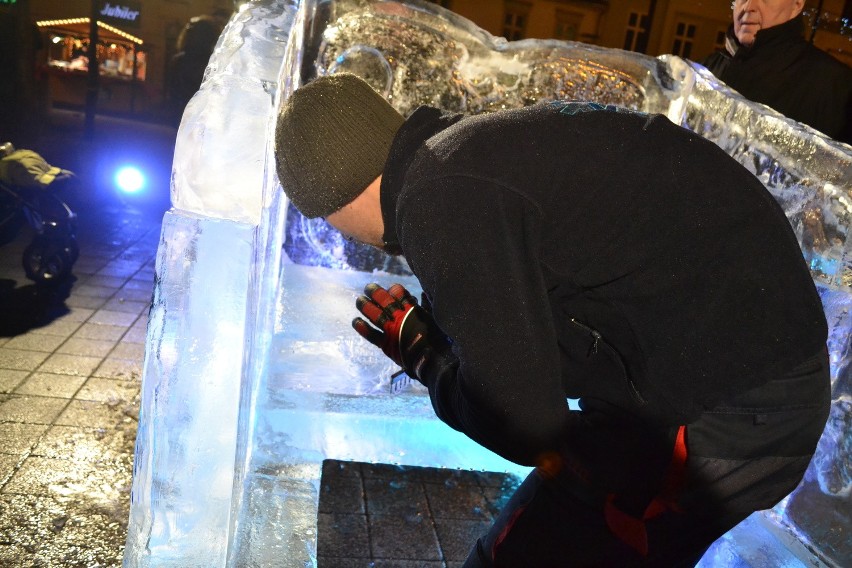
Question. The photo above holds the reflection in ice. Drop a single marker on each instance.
(252, 372)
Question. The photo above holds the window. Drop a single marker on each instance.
(637, 32)
(719, 45)
(567, 26)
(515, 20)
(684, 36)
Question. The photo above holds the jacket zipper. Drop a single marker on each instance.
(599, 340)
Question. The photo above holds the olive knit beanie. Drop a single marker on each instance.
(331, 141)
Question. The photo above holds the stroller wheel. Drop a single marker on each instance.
(46, 261)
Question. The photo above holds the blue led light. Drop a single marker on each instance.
(129, 179)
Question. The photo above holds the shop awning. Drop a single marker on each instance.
(106, 32)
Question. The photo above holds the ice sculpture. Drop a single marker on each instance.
(249, 381)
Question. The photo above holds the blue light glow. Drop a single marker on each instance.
(129, 179)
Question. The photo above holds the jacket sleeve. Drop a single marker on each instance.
(475, 248)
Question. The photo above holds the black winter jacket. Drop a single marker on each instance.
(572, 250)
(783, 71)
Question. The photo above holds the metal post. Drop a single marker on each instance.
(93, 83)
(133, 84)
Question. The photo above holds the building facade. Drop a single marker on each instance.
(692, 29)
(689, 28)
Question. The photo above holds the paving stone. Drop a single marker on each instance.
(114, 282)
(34, 342)
(457, 537)
(20, 360)
(88, 263)
(13, 555)
(63, 364)
(142, 294)
(10, 379)
(109, 390)
(19, 438)
(388, 471)
(30, 409)
(497, 497)
(406, 564)
(334, 469)
(96, 414)
(100, 332)
(142, 282)
(111, 317)
(403, 538)
(341, 495)
(119, 369)
(331, 562)
(48, 384)
(8, 463)
(61, 531)
(78, 314)
(61, 327)
(129, 351)
(86, 347)
(126, 306)
(399, 497)
(87, 302)
(79, 443)
(136, 334)
(343, 535)
(120, 268)
(93, 291)
(448, 501)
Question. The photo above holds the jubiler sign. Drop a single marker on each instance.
(120, 13)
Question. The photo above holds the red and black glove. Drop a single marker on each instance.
(406, 332)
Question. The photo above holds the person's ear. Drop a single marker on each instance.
(798, 6)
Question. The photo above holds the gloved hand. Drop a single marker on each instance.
(406, 332)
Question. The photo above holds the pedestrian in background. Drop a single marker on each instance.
(186, 69)
(768, 60)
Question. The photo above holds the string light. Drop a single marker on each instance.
(72, 21)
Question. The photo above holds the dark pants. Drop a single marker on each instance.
(667, 494)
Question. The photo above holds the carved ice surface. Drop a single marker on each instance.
(252, 373)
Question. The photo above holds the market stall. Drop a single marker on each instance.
(121, 60)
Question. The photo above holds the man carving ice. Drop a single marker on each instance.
(584, 251)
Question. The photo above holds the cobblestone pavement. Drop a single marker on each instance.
(70, 368)
(387, 516)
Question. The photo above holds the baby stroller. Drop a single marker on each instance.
(53, 250)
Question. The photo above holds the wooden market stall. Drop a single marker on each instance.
(121, 61)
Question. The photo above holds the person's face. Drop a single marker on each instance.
(751, 16)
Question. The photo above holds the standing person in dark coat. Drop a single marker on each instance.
(768, 60)
(186, 69)
(583, 251)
